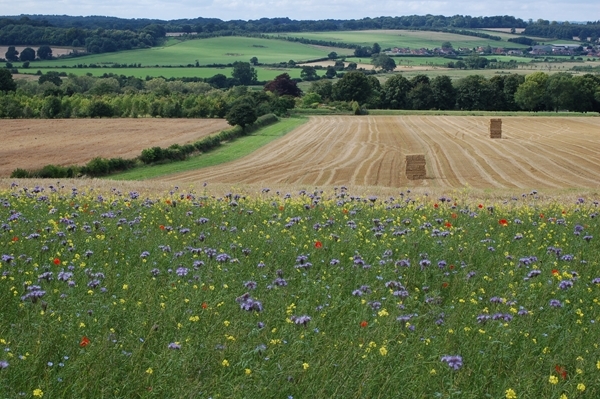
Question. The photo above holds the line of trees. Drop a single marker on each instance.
(510, 92)
(565, 30)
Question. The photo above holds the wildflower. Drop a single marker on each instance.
(511, 394)
(301, 319)
(318, 244)
(581, 387)
(56, 261)
(248, 371)
(204, 305)
(555, 303)
(305, 366)
(364, 323)
(174, 345)
(3, 364)
(503, 222)
(85, 341)
(553, 379)
(455, 362)
(383, 351)
(225, 363)
(561, 371)
(38, 393)
(149, 370)
(598, 364)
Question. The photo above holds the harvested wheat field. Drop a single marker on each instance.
(34, 143)
(534, 152)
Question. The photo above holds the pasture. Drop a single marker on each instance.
(538, 152)
(218, 50)
(401, 38)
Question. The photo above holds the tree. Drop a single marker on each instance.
(330, 73)
(219, 81)
(384, 62)
(531, 95)
(561, 91)
(332, 56)
(473, 93)
(395, 93)
(44, 52)
(7, 82)
(51, 77)
(351, 66)
(421, 97)
(244, 73)
(323, 88)
(11, 54)
(254, 61)
(447, 46)
(28, 54)
(339, 65)
(376, 48)
(308, 73)
(354, 86)
(283, 85)
(241, 114)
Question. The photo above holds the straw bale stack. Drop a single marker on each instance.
(415, 167)
(496, 128)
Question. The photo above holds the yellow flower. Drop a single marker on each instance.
(38, 393)
(226, 323)
(305, 366)
(553, 379)
(248, 371)
(125, 286)
(225, 363)
(598, 365)
(383, 351)
(149, 370)
(563, 396)
(511, 394)
(581, 387)
(432, 372)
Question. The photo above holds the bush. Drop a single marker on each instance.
(97, 167)
(20, 174)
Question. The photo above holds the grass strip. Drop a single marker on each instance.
(227, 152)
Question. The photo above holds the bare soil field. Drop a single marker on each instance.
(533, 153)
(35, 143)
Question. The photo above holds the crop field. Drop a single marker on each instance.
(219, 50)
(263, 73)
(401, 38)
(194, 292)
(34, 143)
(534, 152)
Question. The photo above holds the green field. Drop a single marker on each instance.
(228, 152)
(263, 74)
(402, 38)
(218, 50)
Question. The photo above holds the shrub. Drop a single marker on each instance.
(97, 167)
(20, 174)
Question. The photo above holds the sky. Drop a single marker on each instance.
(552, 10)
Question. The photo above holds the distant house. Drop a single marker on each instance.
(541, 50)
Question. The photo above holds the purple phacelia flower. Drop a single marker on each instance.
(174, 345)
(455, 362)
(301, 320)
(555, 303)
(565, 284)
(182, 271)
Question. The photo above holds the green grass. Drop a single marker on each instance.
(401, 38)
(219, 50)
(263, 73)
(227, 152)
(320, 294)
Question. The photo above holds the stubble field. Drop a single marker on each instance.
(534, 152)
(34, 143)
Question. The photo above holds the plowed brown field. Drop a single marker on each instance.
(34, 143)
(535, 152)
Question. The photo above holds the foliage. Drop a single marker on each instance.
(28, 54)
(354, 86)
(243, 73)
(44, 52)
(11, 54)
(241, 114)
(7, 82)
(115, 288)
(283, 85)
(385, 62)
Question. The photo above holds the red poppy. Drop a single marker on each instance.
(318, 244)
(56, 261)
(555, 272)
(162, 227)
(435, 205)
(561, 371)
(503, 222)
(281, 207)
(15, 239)
(168, 202)
(363, 324)
(451, 267)
(204, 305)
(445, 285)
(480, 206)
(448, 224)
(541, 215)
(345, 211)
(454, 216)
(85, 341)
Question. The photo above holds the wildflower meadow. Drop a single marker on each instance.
(309, 294)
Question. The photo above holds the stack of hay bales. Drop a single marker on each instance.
(496, 128)
(415, 167)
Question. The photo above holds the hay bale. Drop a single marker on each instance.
(415, 167)
(496, 128)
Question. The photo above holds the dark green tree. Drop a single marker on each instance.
(51, 107)
(531, 95)
(241, 114)
(11, 54)
(254, 61)
(308, 73)
(561, 91)
(323, 88)
(332, 56)
(7, 82)
(28, 54)
(395, 93)
(52, 77)
(244, 73)
(376, 48)
(330, 73)
(474, 93)
(421, 97)
(354, 86)
(384, 62)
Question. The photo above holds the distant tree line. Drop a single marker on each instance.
(565, 30)
(270, 25)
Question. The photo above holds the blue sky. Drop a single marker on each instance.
(559, 10)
